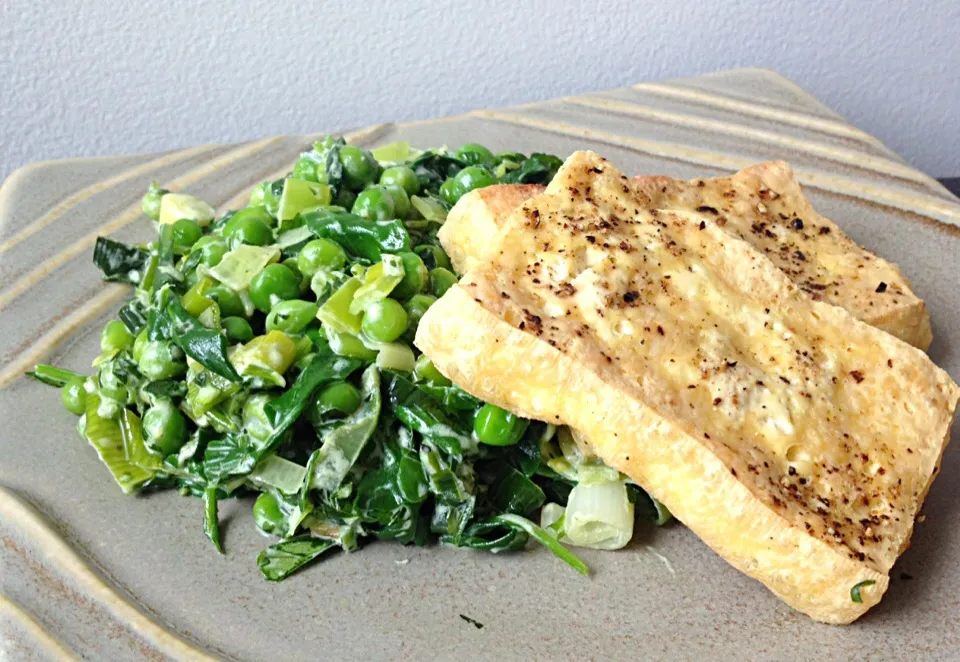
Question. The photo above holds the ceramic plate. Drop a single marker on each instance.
(86, 571)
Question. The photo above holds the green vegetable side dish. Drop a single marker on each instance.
(267, 353)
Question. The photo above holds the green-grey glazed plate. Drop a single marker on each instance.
(88, 572)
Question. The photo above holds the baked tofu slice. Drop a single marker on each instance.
(795, 440)
(762, 205)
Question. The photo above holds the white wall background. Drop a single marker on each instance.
(90, 77)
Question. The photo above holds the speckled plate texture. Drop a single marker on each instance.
(90, 573)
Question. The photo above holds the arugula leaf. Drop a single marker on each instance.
(205, 346)
(281, 560)
(118, 261)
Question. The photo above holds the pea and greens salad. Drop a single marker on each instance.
(269, 352)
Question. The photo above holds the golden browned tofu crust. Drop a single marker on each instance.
(762, 205)
(795, 440)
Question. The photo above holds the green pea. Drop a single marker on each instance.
(238, 330)
(340, 397)
(415, 276)
(164, 428)
(321, 255)
(433, 256)
(160, 359)
(229, 302)
(150, 203)
(115, 337)
(401, 201)
(375, 204)
(416, 308)
(74, 396)
(275, 283)
(424, 370)
(305, 169)
(344, 198)
(474, 154)
(402, 176)
(384, 320)
(185, 234)
(249, 226)
(141, 341)
(441, 280)
(498, 427)
(291, 264)
(359, 167)
(292, 316)
(470, 178)
(448, 191)
(267, 515)
(212, 249)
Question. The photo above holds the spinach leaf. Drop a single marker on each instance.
(422, 413)
(412, 483)
(450, 520)
(366, 239)
(512, 492)
(538, 169)
(211, 522)
(285, 410)
(166, 388)
(281, 560)
(380, 503)
(648, 506)
(134, 316)
(451, 397)
(333, 167)
(443, 479)
(159, 326)
(489, 537)
(433, 168)
(231, 455)
(118, 261)
(205, 346)
(342, 445)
